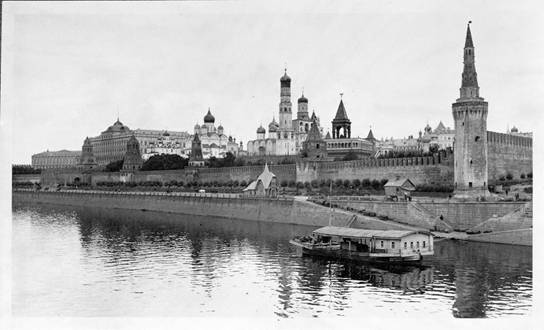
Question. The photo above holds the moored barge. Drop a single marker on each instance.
(388, 246)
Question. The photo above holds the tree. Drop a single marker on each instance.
(164, 162)
(350, 156)
(509, 176)
(356, 183)
(365, 183)
(375, 184)
(114, 166)
(24, 169)
(346, 183)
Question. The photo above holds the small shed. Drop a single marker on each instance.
(399, 187)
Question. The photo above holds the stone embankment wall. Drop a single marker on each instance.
(457, 216)
(286, 210)
(508, 154)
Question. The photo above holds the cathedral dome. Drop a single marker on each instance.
(273, 126)
(209, 118)
(285, 77)
(197, 126)
(261, 130)
(220, 127)
(514, 130)
(302, 99)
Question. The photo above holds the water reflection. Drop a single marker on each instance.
(125, 262)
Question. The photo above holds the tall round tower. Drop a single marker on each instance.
(286, 114)
(470, 117)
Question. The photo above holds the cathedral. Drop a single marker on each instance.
(287, 135)
(213, 139)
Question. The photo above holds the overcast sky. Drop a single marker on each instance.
(68, 68)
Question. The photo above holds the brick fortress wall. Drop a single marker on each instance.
(508, 154)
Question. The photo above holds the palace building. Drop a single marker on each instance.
(56, 159)
(111, 144)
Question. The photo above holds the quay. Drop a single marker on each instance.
(495, 222)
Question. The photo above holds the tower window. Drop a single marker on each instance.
(470, 184)
(476, 139)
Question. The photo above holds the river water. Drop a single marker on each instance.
(76, 261)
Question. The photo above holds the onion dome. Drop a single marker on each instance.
(273, 126)
(165, 133)
(302, 99)
(261, 130)
(220, 127)
(514, 130)
(197, 126)
(285, 77)
(209, 118)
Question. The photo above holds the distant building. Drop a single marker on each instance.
(111, 144)
(87, 160)
(315, 146)
(266, 185)
(286, 137)
(196, 159)
(342, 143)
(133, 159)
(56, 159)
(441, 137)
(213, 140)
(515, 131)
(166, 144)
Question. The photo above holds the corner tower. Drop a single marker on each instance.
(470, 117)
(286, 114)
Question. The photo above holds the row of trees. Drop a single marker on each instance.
(510, 177)
(24, 169)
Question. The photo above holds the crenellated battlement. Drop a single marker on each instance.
(509, 139)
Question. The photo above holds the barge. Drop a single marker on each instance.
(382, 246)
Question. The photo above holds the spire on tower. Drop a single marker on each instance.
(468, 40)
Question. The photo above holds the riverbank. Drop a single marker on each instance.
(298, 210)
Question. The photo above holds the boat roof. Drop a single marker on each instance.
(365, 233)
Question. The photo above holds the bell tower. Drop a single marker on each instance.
(286, 114)
(470, 117)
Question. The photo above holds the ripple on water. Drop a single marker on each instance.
(179, 266)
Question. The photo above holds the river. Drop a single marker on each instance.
(78, 261)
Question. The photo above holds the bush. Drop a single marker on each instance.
(383, 182)
(376, 184)
(283, 183)
(300, 185)
(530, 175)
(356, 183)
(338, 182)
(235, 183)
(502, 178)
(244, 184)
(522, 176)
(365, 183)
(164, 162)
(509, 176)
(315, 184)
(528, 190)
(115, 166)
(292, 183)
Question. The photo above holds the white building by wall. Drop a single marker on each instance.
(213, 139)
(285, 137)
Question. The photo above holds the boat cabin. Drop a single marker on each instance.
(391, 242)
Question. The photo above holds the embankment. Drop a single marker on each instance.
(281, 210)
